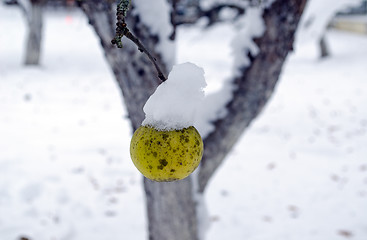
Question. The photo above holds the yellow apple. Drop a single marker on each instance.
(165, 156)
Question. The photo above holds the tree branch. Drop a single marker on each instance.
(22, 7)
(255, 86)
(211, 14)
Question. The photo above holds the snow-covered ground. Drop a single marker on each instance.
(299, 172)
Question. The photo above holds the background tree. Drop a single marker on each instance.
(174, 209)
(35, 25)
(33, 13)
(317, 18)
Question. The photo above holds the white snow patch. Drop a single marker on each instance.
(250, 26)
(174, 103)
(156, 15)
(212, 109)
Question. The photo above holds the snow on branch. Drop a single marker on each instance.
(250, 26)
(257, 72)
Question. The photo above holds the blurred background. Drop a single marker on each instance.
(299, 171)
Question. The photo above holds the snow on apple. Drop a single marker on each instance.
(174, 103)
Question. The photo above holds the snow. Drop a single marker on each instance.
(250, 26)
(65, 171)
(157, 17)
(302, 165)
(212, 108)
(174, 103)
(299, 172)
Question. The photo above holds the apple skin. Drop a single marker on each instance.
(166, 156)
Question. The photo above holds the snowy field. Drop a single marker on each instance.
(299, 172)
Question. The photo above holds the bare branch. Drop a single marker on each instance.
(22, 6)
(196, 13)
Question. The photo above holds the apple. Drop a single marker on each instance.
(165, 156)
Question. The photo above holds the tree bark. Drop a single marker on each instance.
(171, 210)
(34, 38)
(171, 207)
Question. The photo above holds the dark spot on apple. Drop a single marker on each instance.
(164, 136)
(163, 162)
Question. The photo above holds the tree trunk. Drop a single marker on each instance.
(171, 210)
(324, 48)
(172, 207)
(35, 22)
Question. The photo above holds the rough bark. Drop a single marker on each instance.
(255, 85)
(171, 207)
(171, 210)
(34, 38)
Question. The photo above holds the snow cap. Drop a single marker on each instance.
(174, 103)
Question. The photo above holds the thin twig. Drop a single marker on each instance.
(122, 31)
(141, 48)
